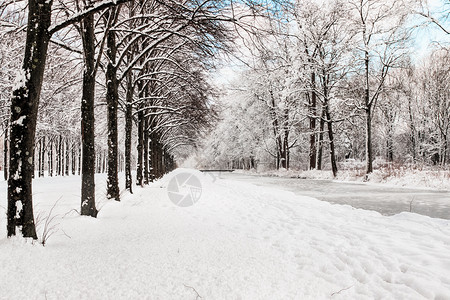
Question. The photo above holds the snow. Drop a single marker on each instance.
(20, 120)
(239, 241)
(401, 177)
(22, 77)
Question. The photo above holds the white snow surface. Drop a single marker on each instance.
(239, 241)
(403, 177)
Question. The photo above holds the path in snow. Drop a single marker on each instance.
(240, 241)
(386, 200)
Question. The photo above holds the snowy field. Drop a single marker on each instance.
(240, 241)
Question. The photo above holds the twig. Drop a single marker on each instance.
(49, 229)
(198, 295)
(66, 234)
(338, 292)
(73, 209)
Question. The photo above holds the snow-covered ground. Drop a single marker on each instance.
(399, 177)
(240, 241)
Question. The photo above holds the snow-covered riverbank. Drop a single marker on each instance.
(240, 241)
(393, 177)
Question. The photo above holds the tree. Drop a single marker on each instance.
(382, 44)
(24, 107)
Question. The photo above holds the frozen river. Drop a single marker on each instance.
(385, 200)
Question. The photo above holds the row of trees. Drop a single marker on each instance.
(337, 78)
(129, 77)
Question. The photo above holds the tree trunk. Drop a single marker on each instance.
(334, 168)
(128, 132)
(413, 131)
(369, 166)
(43, 156)
(112, 97)
(146, 138)
(50, 158)
(5, 152)
(320, 141)
(24, 107)
(286, 140)
(74, 160)
(67, 157)
(368, 111)
(88, 120)
(40, 158)
(312, 124)
(79, 160)
(140, 148)
(59, 156)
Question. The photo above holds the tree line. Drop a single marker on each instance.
(104, 85)
(334, 82)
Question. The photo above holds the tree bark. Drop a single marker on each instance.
(413, 131)
(320, 141)
(128, 132)
(140, 148)
(312, 124)
(24, 107)
(67, 157)
(368, 111)
(60, 156)
(112, 97)
(40, 158)
(334, 168)
(5, 152)
(50, 158)
(74, 159)
(88, 120)
(43, 156)
(368, 116)
(146, 138)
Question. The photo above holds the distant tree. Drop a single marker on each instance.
(378, 25)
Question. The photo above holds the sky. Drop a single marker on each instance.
(424, 38)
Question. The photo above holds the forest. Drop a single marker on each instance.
(115, 86)
(338, 84)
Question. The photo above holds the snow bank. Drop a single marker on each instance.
(239, 241)
(403, 177)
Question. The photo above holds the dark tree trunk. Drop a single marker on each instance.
(368, 111)
(368, 116)
(24, 107)
(67, 155)
(88, 120)
(276, 127)
(5, 152)
(59, 156)
(74, 160)
(112, 98)
(50, 158)
(151, 160)
(79, 160)
(140, 148)
(334, 168)
(40, 158)
(320, 141)
(128, 132)
(146, 138)
(312, 124)
(43, 156)
(286, 140)
(413, 131)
